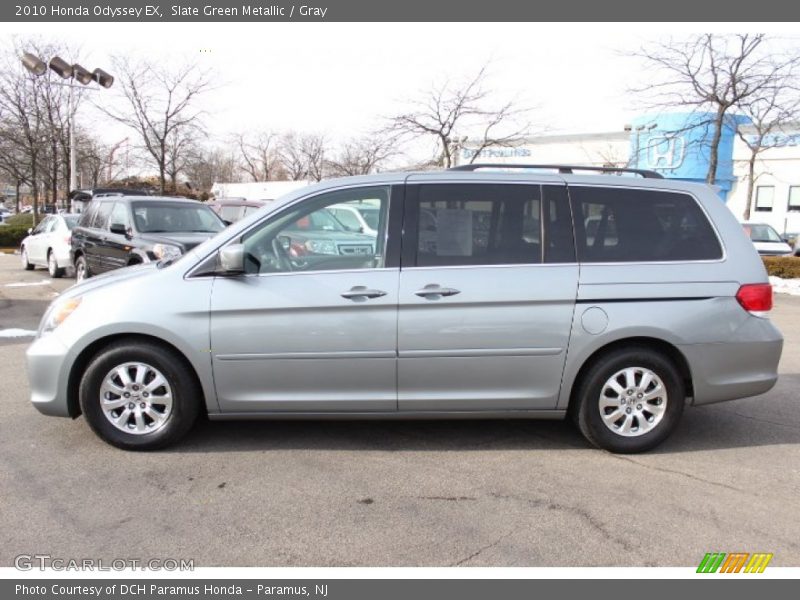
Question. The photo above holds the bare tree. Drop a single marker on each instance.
(361, 156)
(261, 160)
(14, 164)
(449, 114)
(22, 116)
(160, 107)
(303, 155)
(770, 115)
(206, 166)
(715, 73)
(97, 161)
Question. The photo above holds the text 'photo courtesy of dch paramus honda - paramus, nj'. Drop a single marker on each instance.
(612, 297)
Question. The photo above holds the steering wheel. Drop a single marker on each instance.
(285, 261)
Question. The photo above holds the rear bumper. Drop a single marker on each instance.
(47, 366)
(747, 365)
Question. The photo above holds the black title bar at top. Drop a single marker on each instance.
(710, 11)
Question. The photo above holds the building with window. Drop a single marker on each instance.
(676, 145)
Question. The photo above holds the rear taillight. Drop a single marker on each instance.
(68, 240)
(755, 298)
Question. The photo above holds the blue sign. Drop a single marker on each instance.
(678, 145)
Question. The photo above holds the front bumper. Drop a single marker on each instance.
(48, 373)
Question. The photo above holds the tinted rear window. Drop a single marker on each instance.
(628, 225)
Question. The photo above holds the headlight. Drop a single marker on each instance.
(321, 247)
(58, 313)
(166, 251)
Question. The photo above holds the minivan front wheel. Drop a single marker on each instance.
(139, 396)
(630, 400)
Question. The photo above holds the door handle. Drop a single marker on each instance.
(433, 289)
(360, 291)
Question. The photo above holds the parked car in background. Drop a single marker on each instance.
(48, 244)
(362, 217)
(231, 210)
(118, 231)
(767, 241)
(320, 241)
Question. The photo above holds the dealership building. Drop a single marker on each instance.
(676, 145)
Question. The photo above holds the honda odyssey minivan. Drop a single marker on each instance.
(483, 295)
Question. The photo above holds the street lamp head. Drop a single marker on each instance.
(34, 64)
(81, 74)
(61, 67)
(103, 78)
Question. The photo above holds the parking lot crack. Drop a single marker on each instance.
(686, 475)
(575, 512)
(767, 421)
(480, 550)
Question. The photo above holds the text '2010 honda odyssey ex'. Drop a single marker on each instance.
(491, 293)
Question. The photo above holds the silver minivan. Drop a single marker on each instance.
(613, 297)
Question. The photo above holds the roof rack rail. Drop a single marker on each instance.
(563, 169)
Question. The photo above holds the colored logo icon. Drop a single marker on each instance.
(735, 562)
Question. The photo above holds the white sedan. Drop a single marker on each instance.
(48, 245)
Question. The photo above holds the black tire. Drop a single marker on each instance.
(52, 266)
(81, 269)
(186, 394)
(586, 411)
(25, 264)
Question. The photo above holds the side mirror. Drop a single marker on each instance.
(231, 258)
(30, 230)
(119, 229)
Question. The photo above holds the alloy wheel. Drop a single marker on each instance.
(633, 401)
(136, 398)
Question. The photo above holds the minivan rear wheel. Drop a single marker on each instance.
(139, 396)
(630, 400)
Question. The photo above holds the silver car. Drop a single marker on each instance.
(482, 296)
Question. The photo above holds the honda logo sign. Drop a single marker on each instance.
(665, 152)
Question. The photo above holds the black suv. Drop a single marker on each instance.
(118, 231)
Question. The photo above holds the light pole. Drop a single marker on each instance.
(74, 72)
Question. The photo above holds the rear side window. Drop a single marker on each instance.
(478, 224)
(490, 224)
(628, 225)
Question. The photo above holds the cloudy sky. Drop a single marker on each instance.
(341, 79)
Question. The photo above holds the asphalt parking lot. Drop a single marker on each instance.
(467, 493)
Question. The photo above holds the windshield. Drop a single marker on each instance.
(152, 217)
(762, 233)
(71, 221)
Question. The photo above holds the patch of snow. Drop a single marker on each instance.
(28, 283)
(785, 286)
(15, 333)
